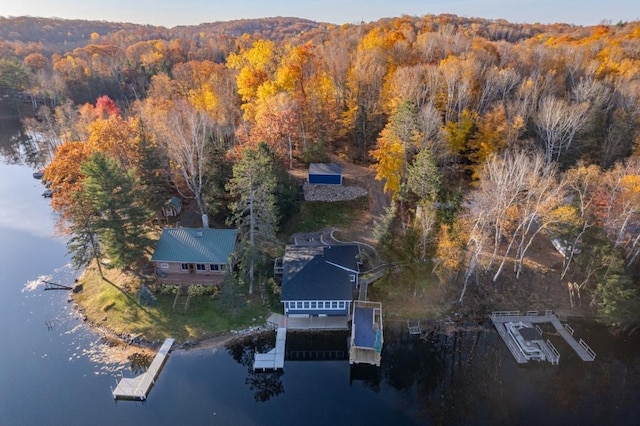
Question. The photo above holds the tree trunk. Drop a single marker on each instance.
(252, 225)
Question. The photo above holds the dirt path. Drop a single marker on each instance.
(378, 200)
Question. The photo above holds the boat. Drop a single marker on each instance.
(528, 339)
(48, 193)
(38, 174)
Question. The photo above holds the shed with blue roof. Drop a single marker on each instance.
(325, 173)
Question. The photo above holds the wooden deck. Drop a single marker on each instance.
(137, 388)
(365, 345)
(274, 359)
(566, 332)
(318, 323)
(191, 279)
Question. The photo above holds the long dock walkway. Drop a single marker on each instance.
(138, 387)
(274, 359)
(566, 332)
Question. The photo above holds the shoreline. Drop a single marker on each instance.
(119, 347)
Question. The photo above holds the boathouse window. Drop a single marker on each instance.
(184, 267)
(306, 305)
(314, 305)
(201, 267)
(299, 305)
(334, 305)
(352, 278)
(164, 266)
(340, 305)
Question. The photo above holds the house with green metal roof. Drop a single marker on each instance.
(188, 256)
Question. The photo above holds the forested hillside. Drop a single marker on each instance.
(489, 135)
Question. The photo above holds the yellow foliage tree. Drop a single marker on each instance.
(390, 158)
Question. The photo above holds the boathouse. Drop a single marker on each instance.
(319, 281)
(325, 173)
(194, 255)
(365, 345)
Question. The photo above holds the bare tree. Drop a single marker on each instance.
(185, 132)
(557, 123)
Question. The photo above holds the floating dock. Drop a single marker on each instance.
(365, 346)
(137, 388)
(274, 359)
(511, 324)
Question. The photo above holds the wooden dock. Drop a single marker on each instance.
(137, 388)
(274, 359)
(365, 345)
(499, 318)
(48, 285)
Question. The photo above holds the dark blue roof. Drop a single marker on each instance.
(365, 335)
(319, 272)
(346, 255)
(319, 280)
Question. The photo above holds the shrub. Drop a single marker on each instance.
(201, 290)
(169, 289)
(146, 297)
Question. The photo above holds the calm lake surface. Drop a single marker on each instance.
(50, 372)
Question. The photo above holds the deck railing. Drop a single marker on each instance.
(554, 356)
(497, 314)
(569, 329)
(588, 349)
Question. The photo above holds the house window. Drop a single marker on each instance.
(334, 305)
(313, 305)
(352, 278)
(201, 267)
(214, 267)
(164, 266)
(184, 266)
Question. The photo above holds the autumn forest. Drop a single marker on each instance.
(489, 137)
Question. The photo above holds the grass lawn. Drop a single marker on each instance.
(315, 215)
(206, 316)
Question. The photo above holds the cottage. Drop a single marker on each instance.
(325, 173)
(319, 281)
(194, 255)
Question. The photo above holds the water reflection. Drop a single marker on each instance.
(139, 362)
(264, 385)
(463, 374)
(16, 147)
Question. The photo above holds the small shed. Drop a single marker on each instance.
(172, 207)
(325, 173)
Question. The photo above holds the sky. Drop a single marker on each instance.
(170, 13)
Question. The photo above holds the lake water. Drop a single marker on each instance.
(50, 373)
